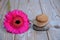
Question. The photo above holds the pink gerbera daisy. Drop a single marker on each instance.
(16, 21)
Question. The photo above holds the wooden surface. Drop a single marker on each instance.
(33, 8)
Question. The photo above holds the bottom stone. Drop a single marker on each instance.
(40, 29)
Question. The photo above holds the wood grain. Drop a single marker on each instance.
(51, 11)
(3, 34)
(33, 8)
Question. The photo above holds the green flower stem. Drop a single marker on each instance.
(8, 5)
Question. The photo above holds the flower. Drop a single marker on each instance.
(16, 22)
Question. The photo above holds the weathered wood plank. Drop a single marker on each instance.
(51, 11)
(48, 9)
(12, 3)
(54, 34)
(3, 34)
(56, 4)
(32, 35)
(41, 35)
(32, 8)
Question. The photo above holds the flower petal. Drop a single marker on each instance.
(11, 16)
